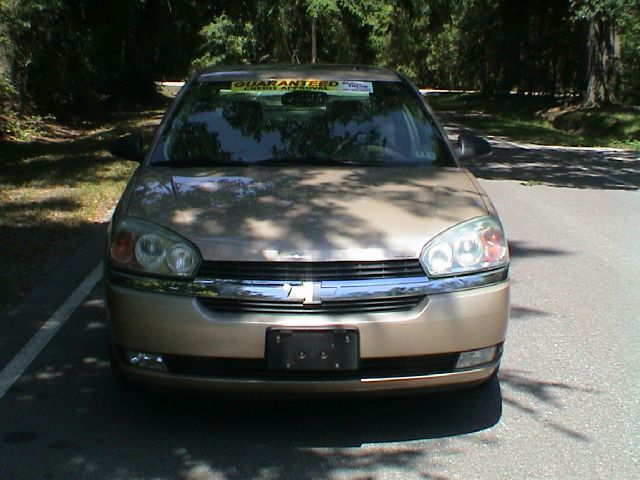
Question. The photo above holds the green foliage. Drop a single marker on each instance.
(321, 8)
(629, 30)
(267, 32)
(490, 45)
(53, 76)
(6, 88)
(587, 9)
(78, 57)
(226, 41)
(613, 73)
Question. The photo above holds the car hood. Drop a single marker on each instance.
(307, 214)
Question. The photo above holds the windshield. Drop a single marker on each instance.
(300, 121)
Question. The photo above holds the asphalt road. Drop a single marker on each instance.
(567, 403)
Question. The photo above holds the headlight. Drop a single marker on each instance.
(147, 248)
(471, 246)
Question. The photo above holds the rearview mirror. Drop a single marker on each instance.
(472, 147)
(128, 147)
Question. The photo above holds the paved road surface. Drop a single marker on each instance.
(567, 404)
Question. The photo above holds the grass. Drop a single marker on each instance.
(614, 127)
(541, 120)
(55, 185)
(20, 127)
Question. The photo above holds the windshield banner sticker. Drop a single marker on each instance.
(322, 85)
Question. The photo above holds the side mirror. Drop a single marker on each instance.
(472, 147)
(128, 147)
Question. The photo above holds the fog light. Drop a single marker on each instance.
(152, 361)
(476, 357)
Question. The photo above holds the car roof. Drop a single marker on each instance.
(319, 72)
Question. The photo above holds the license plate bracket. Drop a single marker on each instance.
(312, 350)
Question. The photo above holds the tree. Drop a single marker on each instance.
(629, 33)
(315, 9)
(5, 59)
(71, 57)
(4, 41)
(603, 75)
(291, 31)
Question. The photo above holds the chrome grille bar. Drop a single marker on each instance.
(311, 271)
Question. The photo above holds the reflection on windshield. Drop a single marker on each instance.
(215, 125)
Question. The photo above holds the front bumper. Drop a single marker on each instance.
(442, 323)
(437, 382)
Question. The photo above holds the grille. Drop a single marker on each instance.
(311, 271)
(256, 368)
(370, 305)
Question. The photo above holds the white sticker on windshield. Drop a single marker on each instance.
(354, 86)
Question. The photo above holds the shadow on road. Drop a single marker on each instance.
(561, 168)
(330, 423)
(528, 394)
(522, 250)
(556, 165)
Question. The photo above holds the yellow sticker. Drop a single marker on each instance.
(286, 84)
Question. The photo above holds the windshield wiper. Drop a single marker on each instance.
(273, 161)
(198, 162)
(308, 160)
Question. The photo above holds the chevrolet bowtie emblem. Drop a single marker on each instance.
(305, 292)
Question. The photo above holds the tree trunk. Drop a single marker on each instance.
(5, 62)
(314, 50)
(5, 58)
(602, 68)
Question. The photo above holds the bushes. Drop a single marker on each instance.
(50, 63)
(75, 58)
